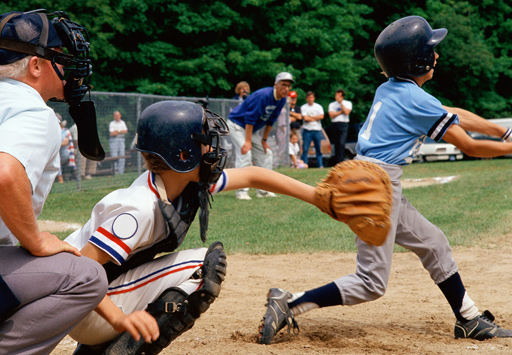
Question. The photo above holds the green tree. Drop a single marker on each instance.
(198, 48)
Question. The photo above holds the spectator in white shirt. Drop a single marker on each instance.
(312, 114)
(117, 130)
(339, 111)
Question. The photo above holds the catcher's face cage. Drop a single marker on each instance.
(74, 38)
(214, 161)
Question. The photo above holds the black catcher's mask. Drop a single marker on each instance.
(59, 32)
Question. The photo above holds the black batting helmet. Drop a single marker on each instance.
(406, 47)
(175, 131)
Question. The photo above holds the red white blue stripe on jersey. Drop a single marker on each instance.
(111, 245)
(220, 184)
(151, 183)
(154, 276)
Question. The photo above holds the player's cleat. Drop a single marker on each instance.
(277, 316)
(262, 194)
(242, 195)
(481, 328)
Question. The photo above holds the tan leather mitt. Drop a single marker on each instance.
(358, 193)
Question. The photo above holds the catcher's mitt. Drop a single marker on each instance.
(359, 194)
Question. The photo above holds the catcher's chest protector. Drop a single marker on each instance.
(178, 222)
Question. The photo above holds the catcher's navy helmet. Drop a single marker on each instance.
(175, 131)
(406, 47)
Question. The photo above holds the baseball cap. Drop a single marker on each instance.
(292, 94)
(25, 27)
(284, 76)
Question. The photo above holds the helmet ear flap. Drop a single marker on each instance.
(424, 65)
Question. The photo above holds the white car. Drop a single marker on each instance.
(437, 151)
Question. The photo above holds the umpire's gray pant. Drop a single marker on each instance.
(410, 230)
(55, 293)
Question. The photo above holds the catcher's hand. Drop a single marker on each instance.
(359, 194)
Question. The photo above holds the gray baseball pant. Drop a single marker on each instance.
(55, 293)
(410, 230)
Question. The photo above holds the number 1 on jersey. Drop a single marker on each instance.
(367, 132)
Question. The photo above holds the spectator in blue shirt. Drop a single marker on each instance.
(259, 110)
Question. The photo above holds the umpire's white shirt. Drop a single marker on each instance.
(30, 132)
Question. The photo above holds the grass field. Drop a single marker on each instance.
(470, 210)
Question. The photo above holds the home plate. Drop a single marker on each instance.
(406, 183)
(53, 226)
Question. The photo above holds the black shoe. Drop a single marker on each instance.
(481, 328)
(277, 316)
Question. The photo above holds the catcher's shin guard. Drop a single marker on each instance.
(83, 349)
(171, 311)
(175, 311)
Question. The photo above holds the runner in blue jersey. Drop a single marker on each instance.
(401, 117)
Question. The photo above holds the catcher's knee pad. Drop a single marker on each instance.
(172, 312)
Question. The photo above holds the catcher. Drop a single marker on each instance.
(401, 118)
(154, 300)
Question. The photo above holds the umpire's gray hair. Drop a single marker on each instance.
(15, 70)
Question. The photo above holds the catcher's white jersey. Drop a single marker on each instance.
(122, 223)
(129, 220)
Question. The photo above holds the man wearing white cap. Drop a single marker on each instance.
(259, 110)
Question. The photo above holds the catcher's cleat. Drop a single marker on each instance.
(263, 194)
(277, 316)
(481, 328)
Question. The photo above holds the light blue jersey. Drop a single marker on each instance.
(401, 117)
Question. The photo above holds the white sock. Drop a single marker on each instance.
(468, 310)
(303, 307)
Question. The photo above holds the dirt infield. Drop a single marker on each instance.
(412, 318)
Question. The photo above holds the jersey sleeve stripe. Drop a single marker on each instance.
(107, 249)
(220, 184)
(439, 128)
(115, 239)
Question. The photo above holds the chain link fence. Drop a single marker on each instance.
(87, 174)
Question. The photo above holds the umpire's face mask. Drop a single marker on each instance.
(60, 32)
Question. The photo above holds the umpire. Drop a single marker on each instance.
(45, 287)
